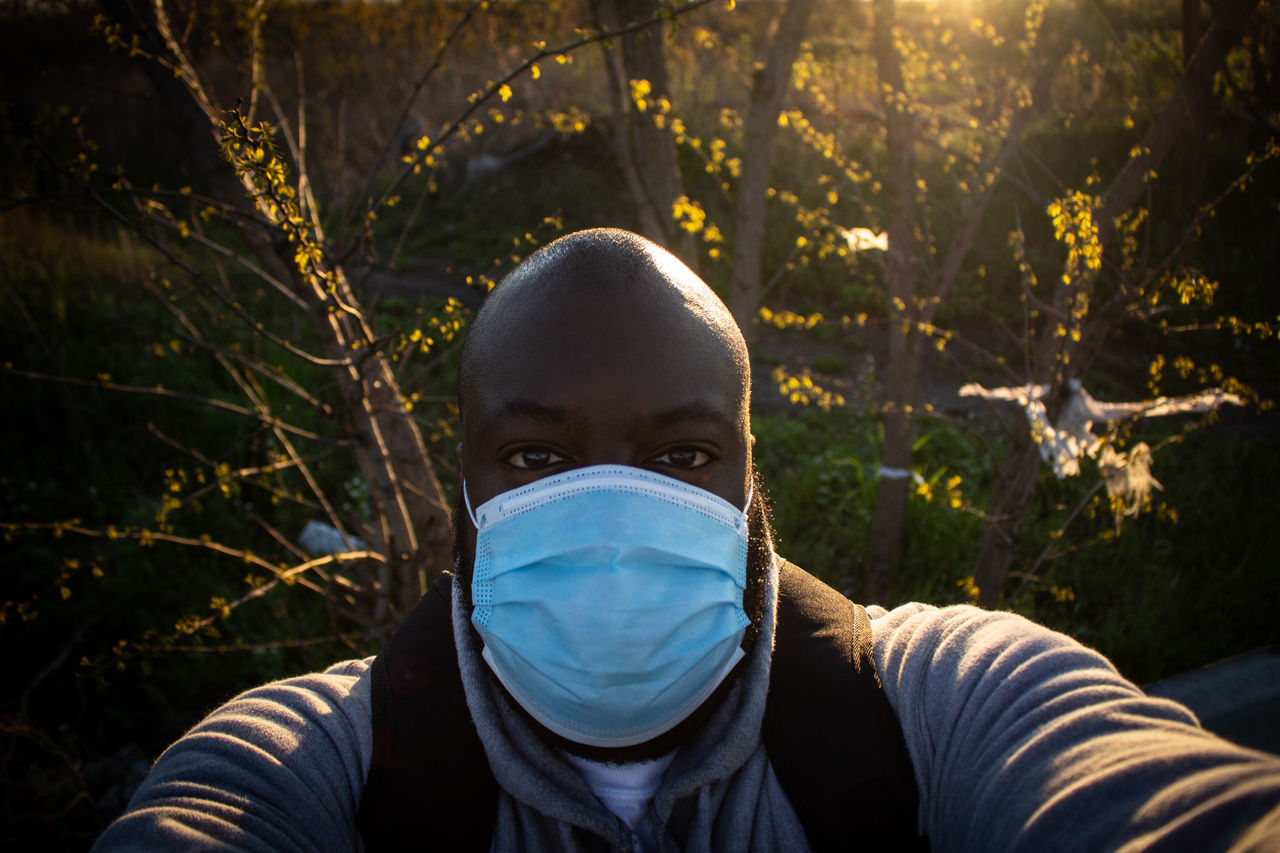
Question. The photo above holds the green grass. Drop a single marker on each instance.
(821, 472)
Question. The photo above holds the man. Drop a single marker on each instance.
(626, 649)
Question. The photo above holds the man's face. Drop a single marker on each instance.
(566, 377)
(606, 378)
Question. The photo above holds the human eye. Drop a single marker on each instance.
(685, 458)
(533, 458)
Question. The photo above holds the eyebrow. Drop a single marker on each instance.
(533, 410)
(691, 412)
(558, 415)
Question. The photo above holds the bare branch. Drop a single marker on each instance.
(480, 99)
(146, 537)
(281, 379)
(284, 541)
(1229, 20)
(255, 395)
(160, 391)
(1242, 180)
(243, 475)
(422, 81)
(257, 75)
(197, 276)
(225, 648)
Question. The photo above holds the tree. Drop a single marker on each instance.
(645, 152)
(961, 115)
(282, 227)
(918, 278)
(265, 290)
(1078, 314)
(769, 84)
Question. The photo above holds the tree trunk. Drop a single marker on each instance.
(406, 500)
(646, 153)
(998, 548)
(900, 286)
(894, 487)
(768, 87)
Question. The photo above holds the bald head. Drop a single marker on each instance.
(610, 271)
(603, 348)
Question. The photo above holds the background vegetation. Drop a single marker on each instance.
(176, 417)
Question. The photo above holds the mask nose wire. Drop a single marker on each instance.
(466, 501)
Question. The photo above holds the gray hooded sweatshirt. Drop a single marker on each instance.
(1020, 738)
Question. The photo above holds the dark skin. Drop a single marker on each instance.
(604, 351)
(570, 369)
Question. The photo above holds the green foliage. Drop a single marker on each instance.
(93, 616)
(1169, 591)
(821, 471)
(830, 364)
(1183, 587)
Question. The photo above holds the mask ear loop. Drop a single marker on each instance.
(466, 501)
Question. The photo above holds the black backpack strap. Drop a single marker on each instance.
(834, 742)
(429, 782)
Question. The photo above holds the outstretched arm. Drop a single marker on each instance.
(278, 768)
(1023, 739)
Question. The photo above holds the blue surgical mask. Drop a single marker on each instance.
(609, 599)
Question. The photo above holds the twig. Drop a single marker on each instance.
(255, 395)
(284, 541)
(59, 659)
(367, 190)
(348, 639)
(281, 379)
(243, 475)
(1061, 529)
(160, 391)
(493, 88)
